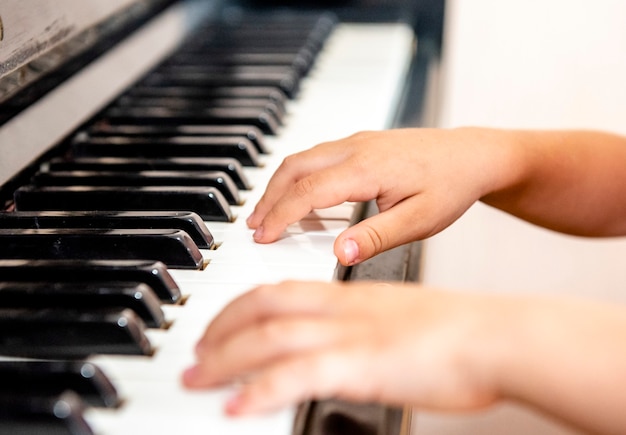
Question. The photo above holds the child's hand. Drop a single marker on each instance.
(365, 342)
(422, 180)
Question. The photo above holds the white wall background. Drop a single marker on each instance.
(535, 63)
(527, 64)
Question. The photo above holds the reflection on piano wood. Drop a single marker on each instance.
(124, 244)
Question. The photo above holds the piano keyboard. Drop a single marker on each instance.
(353, 84)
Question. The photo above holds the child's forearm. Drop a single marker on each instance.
(568, 360)
(568, 181)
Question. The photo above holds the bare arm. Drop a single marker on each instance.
(423, 180)
(431, 349)
(573, 182)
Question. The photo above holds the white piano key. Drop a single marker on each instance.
(158, 410)
(256, 274)
(304, 233)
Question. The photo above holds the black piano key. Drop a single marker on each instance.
(237, 41)
(68, 333)
(207, 202)
(247, 40)
(238, 148)
(88, 295)
(300, 63)
(260, 118)
(311, 25)
(57, 415)
(242, 42)
(212, 67)
(253, 134)
(298, 60)
(189, 222)
(230, 166)
(49, 378)
(287, 82)
(170, 246)
(151, 273)
(270, 93)
(219, 180)
(188, 104)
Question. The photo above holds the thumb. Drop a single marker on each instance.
(374, 235)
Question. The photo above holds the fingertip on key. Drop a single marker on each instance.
(350, 251)
(250, 221)
(190, 376)
(258, 234)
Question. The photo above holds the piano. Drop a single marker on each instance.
(134, 141)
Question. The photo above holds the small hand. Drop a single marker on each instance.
(422, 180)
(365, 342)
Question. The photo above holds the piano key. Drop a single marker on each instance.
(88, 295)
(154, 274)
(219, 180)
(186, 104)
(269, 30)
(270, 93)
(165, 408)
(266, 31)
(230, 166)
(207, 202)
(68, 333)
(300, 63)
(213, 66)
(299, 59)
(299, 254)
(172, 247)
(173, 347)
(285, 81)
(189, 222)
(48, 378)
(315, 24)
(240, 42)
(260, 118)
(253, 134)
(159, 147)
(58, 415)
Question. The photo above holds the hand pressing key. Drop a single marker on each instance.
(425, 179)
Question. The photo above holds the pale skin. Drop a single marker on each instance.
(431, 348)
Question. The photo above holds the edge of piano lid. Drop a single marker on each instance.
(63, 38)
(401, 264)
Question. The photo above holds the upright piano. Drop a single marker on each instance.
(135, 138)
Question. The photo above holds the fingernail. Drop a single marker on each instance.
(190, 374)
(233, 405)
(250, 218)
(350, 251)
(258, 234)
(199, 348)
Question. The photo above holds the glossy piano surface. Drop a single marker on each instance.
(355, 83)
